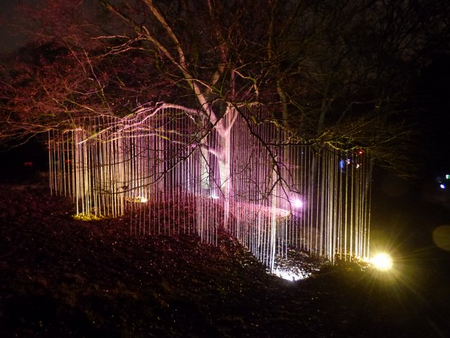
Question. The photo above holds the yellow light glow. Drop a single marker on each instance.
(87, 217)
(382, 261)
(138, 199)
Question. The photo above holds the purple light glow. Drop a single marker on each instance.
(297, 203)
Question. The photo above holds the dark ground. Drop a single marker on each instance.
(65, 278)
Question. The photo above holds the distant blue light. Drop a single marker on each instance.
(442, 186)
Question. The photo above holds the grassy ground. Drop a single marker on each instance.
(65, 278)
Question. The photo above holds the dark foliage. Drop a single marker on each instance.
(66, 278)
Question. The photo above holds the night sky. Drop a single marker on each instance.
(433, 92)
(10, 38)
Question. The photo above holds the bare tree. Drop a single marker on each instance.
(329, 72)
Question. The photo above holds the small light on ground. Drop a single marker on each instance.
(137, 199)
(290, 275)
(382, 261)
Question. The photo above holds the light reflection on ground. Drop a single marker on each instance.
(291, 275)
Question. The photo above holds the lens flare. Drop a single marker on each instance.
(441, 237)
(382, 261)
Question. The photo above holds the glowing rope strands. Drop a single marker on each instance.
(174, 172)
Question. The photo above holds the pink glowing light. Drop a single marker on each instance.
(297, 203)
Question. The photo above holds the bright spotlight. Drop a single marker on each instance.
(382, 261)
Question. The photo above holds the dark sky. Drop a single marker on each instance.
(10, 37)
(433, 93)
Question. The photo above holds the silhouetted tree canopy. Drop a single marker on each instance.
(331, 72)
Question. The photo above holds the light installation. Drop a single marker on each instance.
(173, 172)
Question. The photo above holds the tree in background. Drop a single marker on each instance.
(334, 73)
